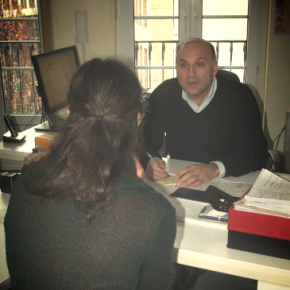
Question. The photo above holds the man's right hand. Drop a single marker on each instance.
(155, 173)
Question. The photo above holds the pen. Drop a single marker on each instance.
(151, 157)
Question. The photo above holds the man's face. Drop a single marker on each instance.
(195, 70)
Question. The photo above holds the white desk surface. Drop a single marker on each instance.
(18, 151)
(205, 247)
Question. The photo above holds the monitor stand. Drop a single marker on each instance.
(53, 123)
(46, 127)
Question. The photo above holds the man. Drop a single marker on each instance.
(207, 118)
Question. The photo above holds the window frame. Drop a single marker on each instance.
(256, 39)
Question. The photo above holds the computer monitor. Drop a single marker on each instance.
(54, 71)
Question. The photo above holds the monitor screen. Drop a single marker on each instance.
(54, 71)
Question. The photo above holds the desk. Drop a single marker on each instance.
(203, 247)
(16, 152)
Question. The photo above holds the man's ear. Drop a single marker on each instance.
(215, 69)
(68, 110)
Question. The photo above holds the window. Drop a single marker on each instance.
(158, 25)
(225, 25)
(19, 39)
(155, 38)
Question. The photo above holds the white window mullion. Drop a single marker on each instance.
(125, 32)
(190, 19)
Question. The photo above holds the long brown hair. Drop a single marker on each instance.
(95, 146)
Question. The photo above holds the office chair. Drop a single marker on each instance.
(228, 75)
(275, 161)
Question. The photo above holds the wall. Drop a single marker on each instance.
(277, 88)
(101, 26)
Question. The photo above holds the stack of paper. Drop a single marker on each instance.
(270, 194)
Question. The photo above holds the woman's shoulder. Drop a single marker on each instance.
(136, 189)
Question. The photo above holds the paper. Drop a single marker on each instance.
(236, 189)
(270, 194)
(265, 208)
(270, 186)
(170, 180)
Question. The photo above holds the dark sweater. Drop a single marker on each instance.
(227, 130)
(127, 246)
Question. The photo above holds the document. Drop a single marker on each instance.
(270, 194)
(270, 186)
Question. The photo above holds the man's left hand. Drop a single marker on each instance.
(196, 174)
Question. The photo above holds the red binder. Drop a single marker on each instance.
(259, 233)
(259, 224)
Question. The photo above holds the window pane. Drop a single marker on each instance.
(141, 57)
(238, 54)
(169, 54)
(155, 7)
(156, 54)
(159, 75)
(224, 56)
(165, 29)
(240, 73)
(143, 75)
(225, 7)
(20, 93)
(154, 77)
(224, 29)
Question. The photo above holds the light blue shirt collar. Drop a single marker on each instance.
(205, 102)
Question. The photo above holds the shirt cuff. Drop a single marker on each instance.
(221, 167)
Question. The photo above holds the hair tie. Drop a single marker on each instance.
(99, 117)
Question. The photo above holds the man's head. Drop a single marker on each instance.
(196, 66)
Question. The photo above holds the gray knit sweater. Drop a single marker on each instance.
(127, 246)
